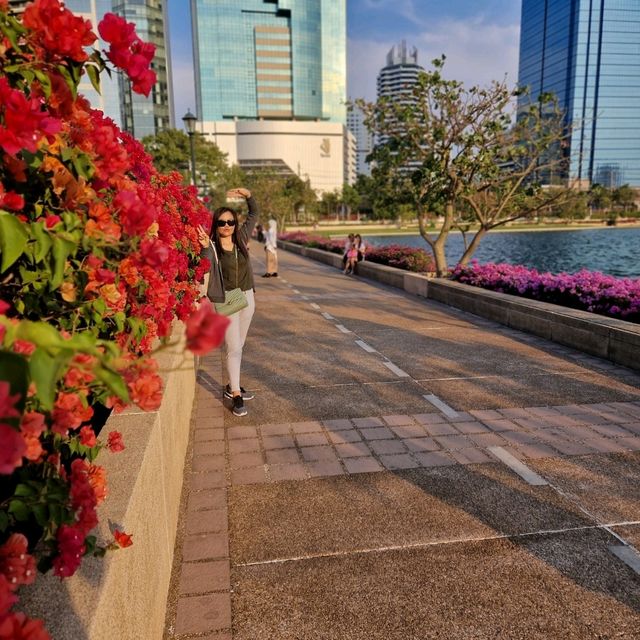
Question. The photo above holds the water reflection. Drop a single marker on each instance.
(610, 250)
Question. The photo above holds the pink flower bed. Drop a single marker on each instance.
(586, 290)
(393, 255)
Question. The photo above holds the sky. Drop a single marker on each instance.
(479, 37)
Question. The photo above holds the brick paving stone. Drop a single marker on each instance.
(207, 463)
(412, 431)
(287, 472)
(387, 446)
(209, 448)
(629, 409)
(311, 439)
(378, 433)
(250, 475)
(633, 427)
(399, 461)
(278, 442)
(283, 456)
(611, 430)
(342, 437)
(247, 459)
(366, 423)
(481, 414)
(487, 439)
(321, 468)
(462, 416)
(208, 480)
(306, 427)
(518, 437)
(234, 433)
(533, 424)
(470, 427)
(352, 450)
(397, 420)
(318, 453)
(243, 446)
(543, 412)
(205, 546)
(362, 465)
(206, 435)
(630, 444)
(501, 425)
(275, 429)
(453, 442)
(206, 415)
(440, 429)
(434, 459)
(207, 499)
(429, 418)
(515, 412)
(222, 635)
(206, 521)
(573, 448)
(337, 425)
(471, 456)
(421, 444)
(204, 577)
(605, 445)
(203, 613)
(564, 421)
(534, 451)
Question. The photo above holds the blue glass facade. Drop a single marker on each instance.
(587, 52)
(271, 59)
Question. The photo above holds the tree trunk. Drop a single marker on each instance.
(470, 250)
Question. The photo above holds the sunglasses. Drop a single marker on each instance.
(221, 223)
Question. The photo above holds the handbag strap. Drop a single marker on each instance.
(235, 248)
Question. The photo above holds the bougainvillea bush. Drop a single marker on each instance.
(99, 255)
(587, 290)
(394, 255)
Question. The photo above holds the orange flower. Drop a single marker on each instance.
(68, 291)
(110, 294)
(98, 481)
(123, 540)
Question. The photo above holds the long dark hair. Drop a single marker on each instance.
(237, 240)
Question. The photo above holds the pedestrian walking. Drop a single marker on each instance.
(231, 285)
(271, 249)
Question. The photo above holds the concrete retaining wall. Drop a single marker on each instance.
(614, 340)
(124, 595)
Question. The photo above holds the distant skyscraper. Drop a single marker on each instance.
(363, 139)
(397, 77)
(586, 53)
(271, 84)
(142, 116)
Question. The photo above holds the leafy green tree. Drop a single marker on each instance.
(600, 198)
(350, 197)
(449, 149)
(624, 198)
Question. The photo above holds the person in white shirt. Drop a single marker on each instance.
(271, 249)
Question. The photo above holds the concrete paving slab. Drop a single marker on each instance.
(562, 586)
(385, 509)
(630, 533)
(607, 485)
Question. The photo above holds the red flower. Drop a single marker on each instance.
(69, 413)
(88, 437)
(10, 200)
(7, 599)
(51, 221)
(123, 540)
(146, 391)
(15, 563)
(32, 426)
(16, 626)
(12, 449)
(71, 548)
(154, 252)
(24, 347)
(136, 216)
(7, 402)
(115, 443)
(205, 329)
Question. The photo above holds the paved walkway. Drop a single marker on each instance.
(407, 471)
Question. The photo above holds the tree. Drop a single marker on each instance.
(600, 197)
(624, 197)
(456, 151)
(330, 201)
(350, 198)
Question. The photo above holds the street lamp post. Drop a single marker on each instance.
(190, 125)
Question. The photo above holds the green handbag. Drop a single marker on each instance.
(234, 300)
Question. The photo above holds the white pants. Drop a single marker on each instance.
(235, 337)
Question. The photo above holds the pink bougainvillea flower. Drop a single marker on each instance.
(7, 401)
(12, 448)
(16, 626)
(115, 444)
(7, 597)
(15, 563)
(123, 540)
(205, 329)
(71, 548)
(69, 412)
(88, 437)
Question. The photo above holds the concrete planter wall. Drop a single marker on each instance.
(124, 595)
(614, 340)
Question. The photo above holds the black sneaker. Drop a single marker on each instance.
(274, 275)
(266, 275)
(246, 395)
(238, 407)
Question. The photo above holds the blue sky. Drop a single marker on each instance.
(479, 37)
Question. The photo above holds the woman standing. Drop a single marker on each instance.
(271, 249)
(227, 249)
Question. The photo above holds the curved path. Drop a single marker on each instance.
(407, 471)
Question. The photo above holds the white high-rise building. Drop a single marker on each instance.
(397, 77)
(364, 140)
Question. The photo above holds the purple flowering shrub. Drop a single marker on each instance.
(586, 290)
(408, 258)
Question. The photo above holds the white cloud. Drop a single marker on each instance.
(477, 52)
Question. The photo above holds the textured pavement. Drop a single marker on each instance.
(406, 471)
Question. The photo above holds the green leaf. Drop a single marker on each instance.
(24, 490)
(41, 513)
(13, 239)
(4, 521)
(44, 80)
(19, 510)
(94, 76)
(43, 241)
(15, 370)
(41, 334)
(113, 381)
(45, 370)
(73, 87)
(62, 249)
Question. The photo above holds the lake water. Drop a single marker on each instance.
(611, 250)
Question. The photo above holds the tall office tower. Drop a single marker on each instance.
(271, 84)
(142, 116)
(363, 138)
(397, 77)
(586, 53)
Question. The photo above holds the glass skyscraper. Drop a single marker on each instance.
(270, 59)
(587, 52)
